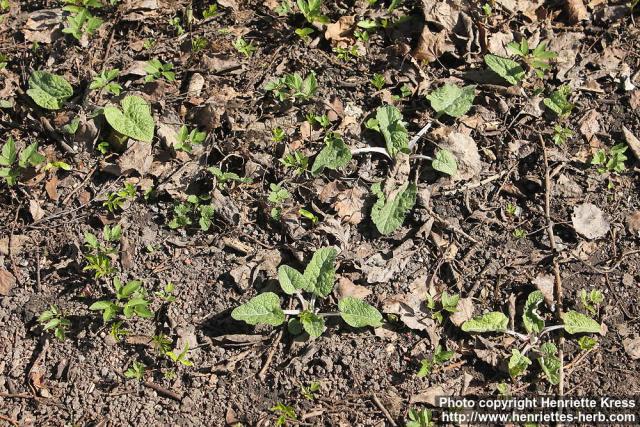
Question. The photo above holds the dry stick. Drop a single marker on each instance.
(162, 391)
(82, 185)
(556, 267)
(384, 411)
(9, 420)
(272, 351)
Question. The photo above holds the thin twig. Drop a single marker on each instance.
(384, 411)
(554, 258)
(9, 420)
(162, 391)
(272, 351)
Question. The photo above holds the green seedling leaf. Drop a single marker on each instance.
(333, 156)
(549, 362)
(48, 90)
(134, 120)
(263, 308)
(532, 320)
(587, 343)
(389, 214)
(518, 363)
(578, 323)
(452, 100)
(509, 70)
(445, 162)
(420, 418)
(358, 314)
(450, 302)
(312, 324)
(291, 280)
(320, 272)
(494, 321)
(559, 102)
(389, 123)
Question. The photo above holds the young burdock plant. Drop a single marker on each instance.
(537, 59)
(187, 139)
(12, 164)
(378, 81)
(99, 254)
(440, 356)
(155, 69)
(612, 162)
(448, 303)
(297, 161)
(53, 320)
(224, 178)
(293, 87)
(317, 282)
(105, 81)
(561, 134)
(534, 325)
(243, 47)
(130, 300)
(305, 34)
(80, 21)
(193, 209)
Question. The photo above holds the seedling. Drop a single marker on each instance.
(81, 21)
(388, 213)
(166, 294)
(277, 197)
(317, 280)
(185, 213)
(296, 160)
(186, 140)
(305, 34)
(537, 59)
(134, 120)
(4, 60)
(284, 8)
(309, 391)
(211, 11)
(149, 44)
(534, 324)
(587, 342)
(99, 254)
(420, 418)
(309, 215)
(334, 155)
(613, 162)
(54, 320)
(378, 81)
(155, 69)
(561, 134)
(511, 209)
(405, 92)
(293, 87)
(12, 164)
(116, 200)
(559, 102)
(161, 343)
(243, 47)
(519, 233)
(591, 300)
(346, 54)
(224, 178)
(440, 355)
(448, 302)
(130, 300)
(199, 44)
(487, 10)
(388, 122)
(176, 23)
(320, 120)
(509, 70)
(49, 91)
(311, 11)
(136, 371)
(117, 331)
(285, 413)
(180, 357)
(278, 134)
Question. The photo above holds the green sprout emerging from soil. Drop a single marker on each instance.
(317, 281)
(54, 320)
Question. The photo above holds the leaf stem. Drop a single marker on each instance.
(418, 135)
(291, 312)
(421, 156)
(370, 150)
(523, 337)
(328, 314)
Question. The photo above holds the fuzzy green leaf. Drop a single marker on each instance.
(578, 323)
(333, 156)
(445, 162)
(532, 320)
(49, 90)
(358, 313)
(549, 362)
(263, 308)
(312, 324)
(518, 363)
(452, 100)
(290, 279)
(559, 103)
(320, 272)
(494, 321)
(134, 120)
(390, 125)
(509, 70)
(388, 215)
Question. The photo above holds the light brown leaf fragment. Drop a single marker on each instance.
(36, 210)
(576, 11)
(632, 347)
(632, 141)
(431, 45)
(339, 33)
(590, 124)
(633, 223)
(52, 188)
(43, 26)
(346, 288)
(7, 282)
(545, 284)
(349, 205)
(464, 313)
(589, 221)
(137, 158)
